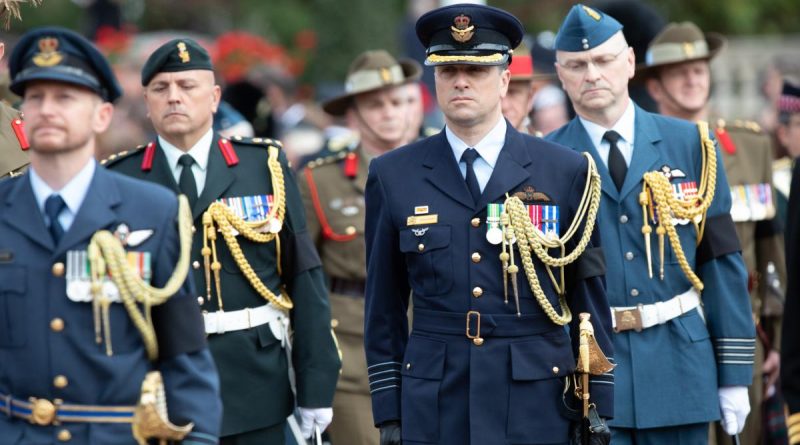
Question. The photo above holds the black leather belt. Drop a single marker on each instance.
(350, 288)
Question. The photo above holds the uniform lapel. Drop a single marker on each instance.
(96, 212)
(218, 178)
(509, 170)
(645, 151)
(22, 213)
(443, 171)
(161, 173)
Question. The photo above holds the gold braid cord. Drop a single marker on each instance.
(10, 9)
(668, 206)
(219, 215)
(532, 239)
(106, 255)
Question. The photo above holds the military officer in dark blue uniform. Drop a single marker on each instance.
(251, 291)
(680, 364)
(489, 353)
(789, 134)
(61, 379)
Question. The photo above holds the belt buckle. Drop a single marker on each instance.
(43, 411)
(476, 339)
(628, 319)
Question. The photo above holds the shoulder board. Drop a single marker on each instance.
(330, 159)
(740, 124)
(342, 142)
(784, 163)
(256, 142)
(430, 131)
(116, 157)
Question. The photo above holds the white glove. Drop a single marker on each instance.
(316, 416)
(734, 405)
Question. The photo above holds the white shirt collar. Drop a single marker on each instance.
(199, 151)
(73, 192)
(489, 147)
(624, 126)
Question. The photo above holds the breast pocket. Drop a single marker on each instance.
(538, 369)
(429, 260)
(13, 306)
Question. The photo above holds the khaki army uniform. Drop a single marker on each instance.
(332, 188)
(747, 156)
(13, 160)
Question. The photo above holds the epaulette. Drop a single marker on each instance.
(116, 157)
(740, 124)
(329, 159)
(15, 172)
(257, 142)
(430, 131)
(341, 142)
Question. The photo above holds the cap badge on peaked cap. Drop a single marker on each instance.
(461, 30)
(48, 54)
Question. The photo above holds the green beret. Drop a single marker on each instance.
(176, 55)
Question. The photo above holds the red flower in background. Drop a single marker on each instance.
(238, 52)
(114, 43)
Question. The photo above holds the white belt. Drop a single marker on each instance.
(648, 315)
(222, 321)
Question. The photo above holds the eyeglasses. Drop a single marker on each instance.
(600, 62)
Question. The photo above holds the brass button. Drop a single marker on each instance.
(477, 292)
(64, 436)
(476, 257)
(421, 247)
(555, 370)
(60, 382)
(623, 219)
(194, 229)
(57, 325)
(634, 292)
(201, 300)
(195, 265)
(629, 256)
(476, 222)
(408, 365)
(477, 341)
(350, 230)
(334, 323)
(58, 269)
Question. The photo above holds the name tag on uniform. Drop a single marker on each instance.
(421, 220)
(79, 280)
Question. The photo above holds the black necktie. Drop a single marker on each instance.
(616, 162)
(53, 207)
(187, 183)
(469, 156)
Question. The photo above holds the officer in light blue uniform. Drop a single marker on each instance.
(62, 381)
(684, 357)
(473, 370)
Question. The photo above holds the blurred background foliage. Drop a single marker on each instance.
(334, 31)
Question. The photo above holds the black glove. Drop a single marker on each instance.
(591, 430)
(390, 433)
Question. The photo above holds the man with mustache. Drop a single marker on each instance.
(252, 291)
(489, 351)
(73, 360)
(680, 365)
